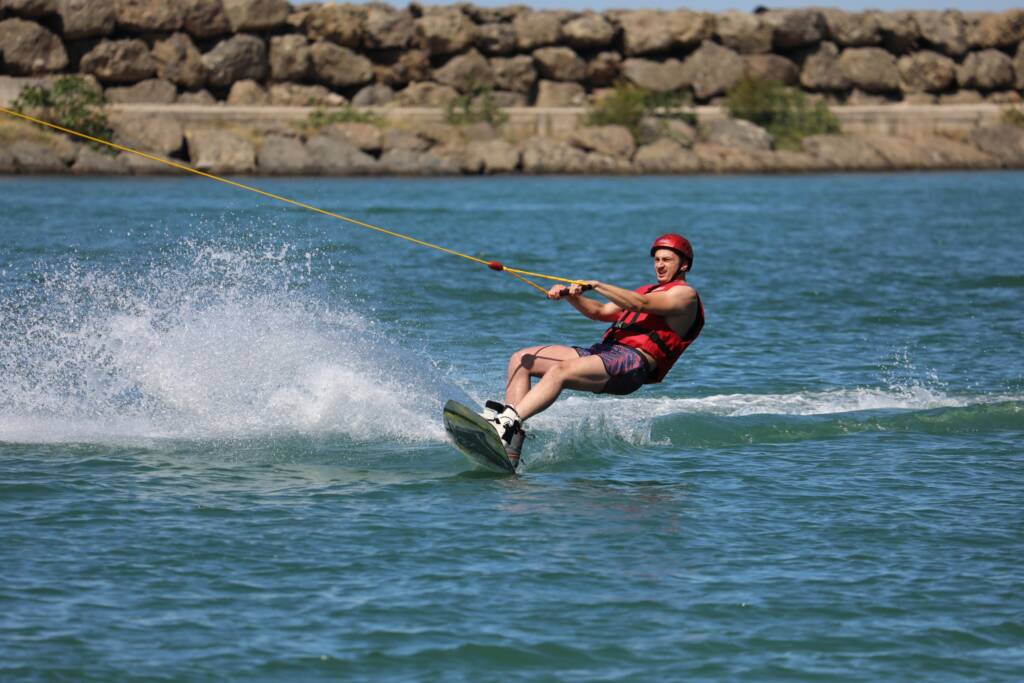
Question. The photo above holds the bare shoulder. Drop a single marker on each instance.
(684, 296)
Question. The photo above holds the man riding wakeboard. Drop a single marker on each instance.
(651, 327)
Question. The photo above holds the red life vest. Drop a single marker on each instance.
(652, 334)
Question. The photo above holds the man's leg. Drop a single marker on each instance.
(583, 374)
(532, 362)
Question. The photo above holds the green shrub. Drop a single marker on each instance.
(628, 105)
(784, 112)
(320, 117)
(71, 102)
(1013, 116)
(475, 106)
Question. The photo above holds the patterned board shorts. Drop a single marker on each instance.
(626, 368)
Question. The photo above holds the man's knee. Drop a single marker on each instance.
(523, 358)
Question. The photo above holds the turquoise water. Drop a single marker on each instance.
(221, 455)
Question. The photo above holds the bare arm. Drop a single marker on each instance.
(595, 310)
(669, 304)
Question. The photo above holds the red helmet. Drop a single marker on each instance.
(676, 243)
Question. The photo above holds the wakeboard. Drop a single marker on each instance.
(476, 438)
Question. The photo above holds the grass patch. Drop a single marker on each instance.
(628, 106)
(784, 112)
(71, 102)
(1013, 117)
(319, 118)
(475, 106)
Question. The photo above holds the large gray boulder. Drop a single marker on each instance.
(560, 94)
(408, 162)
(653, 31)
(852, 29)
(667, 76)
(149, 91)
(999, 30)
(149, 16)
(220, 151)
(162, 136)
(772, 68)
(945, 31)
(537, 29)
(33, 9)
(713, 70)
(205, 18)
(373, 95)
(721, 159)
(493, 156)
(986, 70)
(290, 58)
(256, 15)
(845, 152)
(335, 156)
(797, 28)
(745, 33)
(466, 72)
(86, 19)
(28, 48)
(340, 24)
(365, 136)
(410, 66)
(247, 93)
(665, 156)
(515, 74)
(1018, 67)
(340, 67)
(119, 61)
(604, 69)
(7, 166)
(735, 133)
(898, 30)
(426, 94)
(35, 156)
(388, 29)
(494, 15)
(496, 39)
(198, 98)
(396, 138)
(926, 151)
(588, 31)
(445, 32)
(297, 95)
(179, 61)
(821, 70)
(235, 59)
(614, 141)
(926, 71)
(284, 155)
(559, 64)
(871, 69)
(94, 162)
(542, 155)
(1004, 142)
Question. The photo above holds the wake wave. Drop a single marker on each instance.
(745, 419)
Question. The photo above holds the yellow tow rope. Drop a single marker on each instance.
(493, 265)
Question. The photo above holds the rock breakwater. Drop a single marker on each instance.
(269, 53)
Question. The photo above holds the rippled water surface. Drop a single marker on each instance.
(221, 455)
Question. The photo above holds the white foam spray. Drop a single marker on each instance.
(207, 342)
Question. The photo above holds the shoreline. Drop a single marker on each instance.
(256, 141)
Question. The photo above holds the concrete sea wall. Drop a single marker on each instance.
(226, 85)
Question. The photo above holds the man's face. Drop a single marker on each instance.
(666, 264)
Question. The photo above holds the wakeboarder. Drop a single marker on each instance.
(651, 327)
